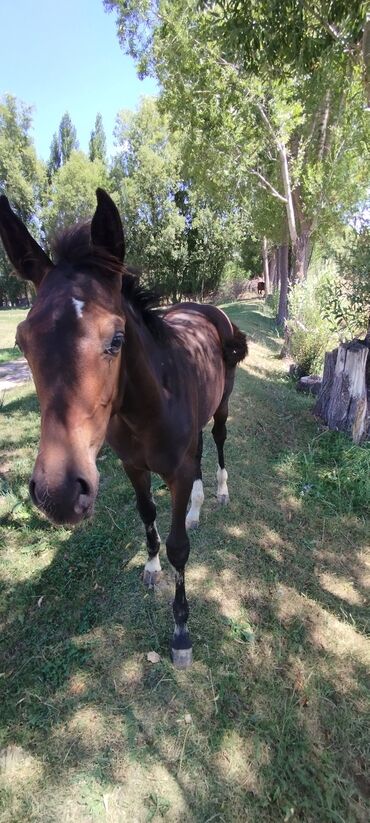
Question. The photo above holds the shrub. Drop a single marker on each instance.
(350, 297)
(233, 282)
(311, 327)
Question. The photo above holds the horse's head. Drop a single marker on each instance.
(72, 339)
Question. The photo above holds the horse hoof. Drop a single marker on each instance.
(223, 499)
(182, 658)
(151, 579)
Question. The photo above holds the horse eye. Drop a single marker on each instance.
(115, 344)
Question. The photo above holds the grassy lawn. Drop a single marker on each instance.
(9, 319)
(270, 722)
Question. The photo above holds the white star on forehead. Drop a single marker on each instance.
(78, 304)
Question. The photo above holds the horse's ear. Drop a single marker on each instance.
(106, 226)
(24, 253)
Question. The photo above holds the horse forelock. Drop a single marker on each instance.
(74, 247)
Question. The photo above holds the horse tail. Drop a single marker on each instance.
(235, 349)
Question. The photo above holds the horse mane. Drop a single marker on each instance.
(73, 246)
(145, 301)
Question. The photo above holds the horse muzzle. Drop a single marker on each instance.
(67, 501)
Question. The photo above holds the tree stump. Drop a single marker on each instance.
(343, 401)
(321, 406)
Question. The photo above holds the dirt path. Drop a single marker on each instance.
(14, 373)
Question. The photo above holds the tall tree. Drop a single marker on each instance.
(22, 179)
(171, 233)
(98, 141)
(63, 143)
(55, 158)
(72, 192)
(67, 138)
(284, 124)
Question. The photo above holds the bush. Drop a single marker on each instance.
(272, 302)
(233, 282)
(350, 297)
(311, 328)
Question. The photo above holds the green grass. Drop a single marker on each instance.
(270, 722)
(9, 319)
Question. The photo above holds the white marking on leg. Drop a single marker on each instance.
(197, 500)
(153, 565)
(222, 490)
(78, 304)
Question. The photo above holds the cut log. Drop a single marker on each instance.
(342, 402)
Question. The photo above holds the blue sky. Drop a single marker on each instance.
(64, 56)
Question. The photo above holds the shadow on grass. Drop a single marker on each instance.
(269, 723)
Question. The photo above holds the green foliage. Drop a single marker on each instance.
(55, 159)
(279, 36)
(311, 330)
(98, 141)
(63, 143)
(349, 298)
(22, 179)
(72, 192)
(272, 301)
(233, 282)
(269, 98)
(67, 137)
(22, 176)
(180, 243)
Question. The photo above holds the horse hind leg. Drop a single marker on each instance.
(219, 435)
(197, 493)
(141, 482)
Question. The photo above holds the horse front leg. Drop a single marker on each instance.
(178, 548)
(141, 481)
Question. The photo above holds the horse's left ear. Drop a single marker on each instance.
(24, 253)
(106, 226)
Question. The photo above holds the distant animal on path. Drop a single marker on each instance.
(261, 287)
(108, 367)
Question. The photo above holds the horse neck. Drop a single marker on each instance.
(141, 379)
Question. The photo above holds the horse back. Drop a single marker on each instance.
(233, 341)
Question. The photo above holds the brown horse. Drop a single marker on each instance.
(108, 366)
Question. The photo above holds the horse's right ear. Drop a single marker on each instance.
(106, 226)
(24, 253)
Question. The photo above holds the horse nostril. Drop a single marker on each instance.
(84, 486)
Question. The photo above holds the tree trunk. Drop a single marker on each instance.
(342, 402)
(301, 256)
(266, 272)
(273, 269)
(283, 256)
(277, 258)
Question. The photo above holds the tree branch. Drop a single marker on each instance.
(268, 186)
